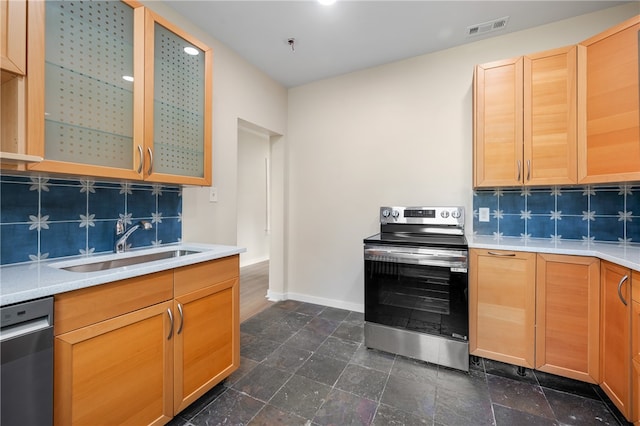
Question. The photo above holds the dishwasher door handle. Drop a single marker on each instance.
(22, 328)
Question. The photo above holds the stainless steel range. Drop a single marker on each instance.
(416, 285)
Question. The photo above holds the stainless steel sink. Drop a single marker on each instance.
(127, 261)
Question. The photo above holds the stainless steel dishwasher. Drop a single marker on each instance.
(26, 353)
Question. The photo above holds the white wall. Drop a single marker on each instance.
(398, 134)
(253, 229)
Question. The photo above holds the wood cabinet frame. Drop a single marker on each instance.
(523, 136)
(150, 19)
(147, 327)
(502, 311)
(610, 111)
(188, 316)
(615, 347)
(13, 50)
(568, 316)
(142, 146)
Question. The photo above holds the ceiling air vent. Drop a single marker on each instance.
(486, 27)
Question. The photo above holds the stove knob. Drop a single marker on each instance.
(386, 213)
(455, 214)
(444, 214)
(395, 213)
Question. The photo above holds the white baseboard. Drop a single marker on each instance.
(275, 297)
(340, 304)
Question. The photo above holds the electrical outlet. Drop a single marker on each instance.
(483, 214)
(213, 194)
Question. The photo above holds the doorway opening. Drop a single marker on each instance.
(255, 208)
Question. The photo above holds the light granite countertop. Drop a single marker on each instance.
(31, 280)
(627, 255)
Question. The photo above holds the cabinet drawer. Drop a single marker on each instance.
(195, 277)
(87, 306)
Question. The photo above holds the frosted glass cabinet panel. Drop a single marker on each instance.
(112, 93)
(181, 99)
(91, 76)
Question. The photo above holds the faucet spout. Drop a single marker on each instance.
(121, 243)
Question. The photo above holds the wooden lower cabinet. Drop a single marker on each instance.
(502, 306)
(116, 372)
(635, 348)
(568, 316)
(138, 351)
(615, 349)
(207, 347)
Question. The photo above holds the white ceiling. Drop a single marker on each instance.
(352, 34)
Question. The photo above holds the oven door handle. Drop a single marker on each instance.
(435, 258)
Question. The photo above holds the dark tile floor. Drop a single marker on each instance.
(304, 364)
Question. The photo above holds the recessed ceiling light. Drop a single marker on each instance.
(191, 51)
(127, 78)
(326, 2)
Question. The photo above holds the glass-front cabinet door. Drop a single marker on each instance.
(177, 105)
(93, 73)
(117, 91)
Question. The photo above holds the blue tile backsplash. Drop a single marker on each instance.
(43, 217)
(592, 213)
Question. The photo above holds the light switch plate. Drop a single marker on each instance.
(213, 194)
(483, 214)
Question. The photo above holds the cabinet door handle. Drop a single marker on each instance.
(171, 320)
(181, 319)
(150, 161)
(141, 158)
(519, 170)
(626, 277)
(528, 170)
(493, 253)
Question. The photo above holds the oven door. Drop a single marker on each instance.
(417, 288)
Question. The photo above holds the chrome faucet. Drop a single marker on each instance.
(121, 243)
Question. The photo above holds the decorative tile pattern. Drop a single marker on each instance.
(596, 213)
(44, 218)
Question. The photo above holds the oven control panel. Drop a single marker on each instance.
(452, 216)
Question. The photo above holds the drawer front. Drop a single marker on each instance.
(88, 306)
(195, 277)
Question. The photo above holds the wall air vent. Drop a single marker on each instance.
(486, 27)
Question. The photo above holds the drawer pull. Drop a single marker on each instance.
(519, 170)
(171, 320)
(181, 319)
(493, 253)
(528, 170)
(626, 277)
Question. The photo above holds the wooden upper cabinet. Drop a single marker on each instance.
(568, 316)
(13, 36)
(525, 124)
(550, 123)
(610, 116)
(100, 104)
(86, 88)
(178, 99)
(498, 124)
